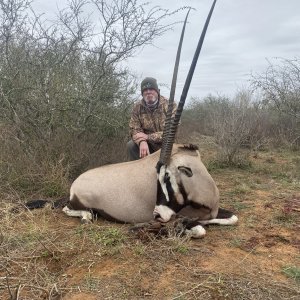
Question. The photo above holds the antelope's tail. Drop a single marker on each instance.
(39, 203)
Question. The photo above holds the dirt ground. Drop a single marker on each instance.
(47, 255)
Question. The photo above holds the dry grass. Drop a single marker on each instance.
(45, 255)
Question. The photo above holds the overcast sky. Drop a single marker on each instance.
(241, 36)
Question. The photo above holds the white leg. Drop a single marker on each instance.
(86, 216)
(230, 221)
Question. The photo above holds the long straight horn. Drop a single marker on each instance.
(172, 94)
(174, 125)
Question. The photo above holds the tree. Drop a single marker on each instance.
(234, 123)
(280, 85)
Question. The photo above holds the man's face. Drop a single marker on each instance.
(150, 96)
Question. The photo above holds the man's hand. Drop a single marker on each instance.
(144, 149)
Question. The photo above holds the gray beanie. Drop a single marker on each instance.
(149, 83)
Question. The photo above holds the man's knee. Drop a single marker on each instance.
(133, 150)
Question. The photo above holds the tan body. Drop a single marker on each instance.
(127, 191)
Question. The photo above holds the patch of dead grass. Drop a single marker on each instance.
(46, 255)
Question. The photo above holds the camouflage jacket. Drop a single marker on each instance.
(149, 121)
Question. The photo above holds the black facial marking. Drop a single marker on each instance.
(167, 179)
(161, 197)
(184, 194)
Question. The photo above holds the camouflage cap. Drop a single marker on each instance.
(149, 83)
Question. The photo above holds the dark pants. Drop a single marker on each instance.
(133, 150)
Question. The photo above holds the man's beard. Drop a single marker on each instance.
(151, 100)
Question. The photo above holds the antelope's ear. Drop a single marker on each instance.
(186, 171)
